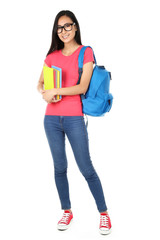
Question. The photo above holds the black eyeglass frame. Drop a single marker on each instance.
(61, 27)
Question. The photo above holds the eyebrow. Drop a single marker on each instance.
(64, 24)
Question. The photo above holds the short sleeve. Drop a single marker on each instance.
(88, 55)
(47, 61)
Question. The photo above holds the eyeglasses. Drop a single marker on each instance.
(67, 27)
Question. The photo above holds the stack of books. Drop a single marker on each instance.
(52, 78)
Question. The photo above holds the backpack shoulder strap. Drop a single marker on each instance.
(80, 61)
(81, 56)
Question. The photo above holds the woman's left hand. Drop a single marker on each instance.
(48, 95)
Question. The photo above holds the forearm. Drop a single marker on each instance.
(40, 86)
(74, 90)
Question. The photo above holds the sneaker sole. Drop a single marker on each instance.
(105, 232)
(63, 227)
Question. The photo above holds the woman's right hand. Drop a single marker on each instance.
(54, 100)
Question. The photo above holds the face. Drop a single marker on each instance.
(66, 36)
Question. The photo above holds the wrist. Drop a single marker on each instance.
(57, 92)
(39, 90)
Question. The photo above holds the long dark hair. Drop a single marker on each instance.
(56, 43)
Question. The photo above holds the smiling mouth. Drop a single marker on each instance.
(65, 36)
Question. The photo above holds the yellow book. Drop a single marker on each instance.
(48, 78)
(52, 78)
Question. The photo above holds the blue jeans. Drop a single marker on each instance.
(56, 127)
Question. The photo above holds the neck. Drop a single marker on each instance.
(70, 47)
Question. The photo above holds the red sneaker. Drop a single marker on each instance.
(105, 224)
(66, 220)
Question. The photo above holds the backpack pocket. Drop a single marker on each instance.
(97, 106)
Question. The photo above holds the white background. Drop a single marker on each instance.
(123, 144)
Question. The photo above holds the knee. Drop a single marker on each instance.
(60, 170)
(89, 173)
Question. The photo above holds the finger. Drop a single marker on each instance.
(56, 100)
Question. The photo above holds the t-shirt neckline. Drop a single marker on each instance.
(72, 53)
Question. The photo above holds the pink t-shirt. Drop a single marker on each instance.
(70, 105)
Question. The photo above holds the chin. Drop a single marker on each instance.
(66, 40)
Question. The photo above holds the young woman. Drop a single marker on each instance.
(64, 117)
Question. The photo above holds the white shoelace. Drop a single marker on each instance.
(65, 218)
(104, 221)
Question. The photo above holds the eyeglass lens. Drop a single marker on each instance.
(67, 27)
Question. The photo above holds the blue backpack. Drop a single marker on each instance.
(97, 100)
